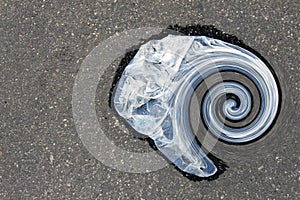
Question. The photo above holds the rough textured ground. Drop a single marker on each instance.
(42, 45)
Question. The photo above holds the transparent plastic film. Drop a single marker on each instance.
(155, 90)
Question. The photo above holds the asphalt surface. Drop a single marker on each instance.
(43, 44)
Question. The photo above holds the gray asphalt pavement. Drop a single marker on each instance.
(43, 44)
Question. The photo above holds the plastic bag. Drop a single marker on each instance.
(155, 89)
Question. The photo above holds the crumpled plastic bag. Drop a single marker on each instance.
(155, 90)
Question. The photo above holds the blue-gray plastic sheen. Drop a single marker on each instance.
(155, 90)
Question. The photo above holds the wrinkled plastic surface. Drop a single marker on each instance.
(155, 89)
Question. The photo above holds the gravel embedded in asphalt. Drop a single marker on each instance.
(43, 44)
